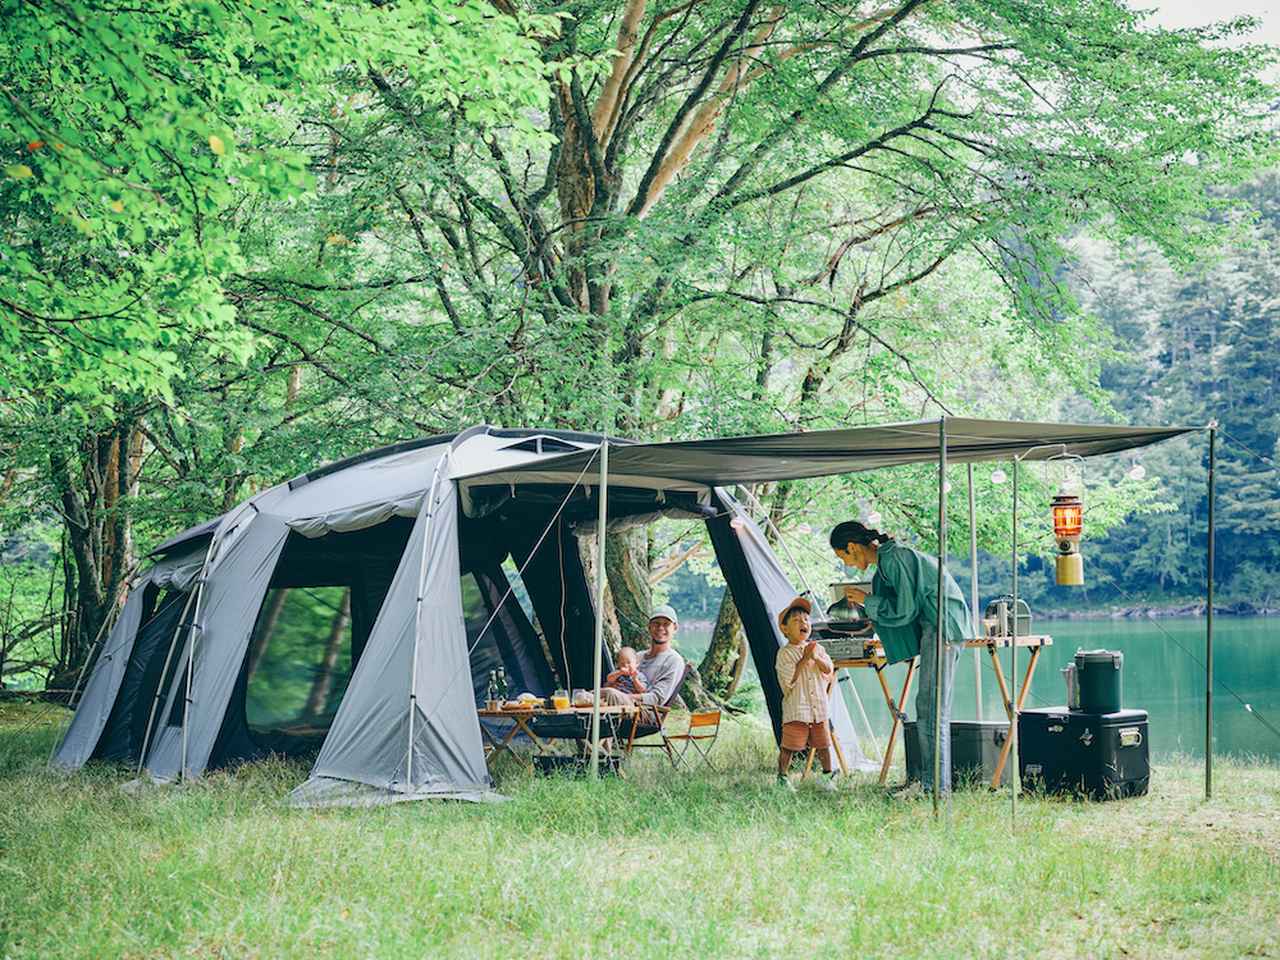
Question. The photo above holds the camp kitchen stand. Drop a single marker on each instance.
(897, 707)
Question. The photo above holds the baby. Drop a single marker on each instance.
(627, 677)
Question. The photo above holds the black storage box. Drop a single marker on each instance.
(573, 765)
(975, 748)
(1103, 756)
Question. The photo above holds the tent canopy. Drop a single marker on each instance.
(793, 456)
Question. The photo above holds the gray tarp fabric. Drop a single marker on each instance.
(103, 684)
(793, 456)
(369, 739)
(245, 550)
(776, 590)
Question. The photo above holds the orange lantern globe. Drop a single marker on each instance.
(1068, 526)
(1068, 517)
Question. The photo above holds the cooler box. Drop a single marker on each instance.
(975, 748)
(1103, 756)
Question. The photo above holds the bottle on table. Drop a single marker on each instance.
(503, 690)
(491, 692)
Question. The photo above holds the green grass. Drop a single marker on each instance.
(720, 865)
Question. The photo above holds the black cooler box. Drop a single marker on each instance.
(975, 748)
(1103, 756)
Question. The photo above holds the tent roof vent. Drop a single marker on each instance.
(541, 443)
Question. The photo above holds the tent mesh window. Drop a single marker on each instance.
(298, 667)
(310, 631)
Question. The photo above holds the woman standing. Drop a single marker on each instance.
(903, 606)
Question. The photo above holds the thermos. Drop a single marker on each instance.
(1073, 688)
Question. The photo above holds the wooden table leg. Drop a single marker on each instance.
(1011, 709)
(896, 709)
(500, 746)
(835, 745)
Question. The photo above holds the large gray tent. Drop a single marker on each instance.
(403, 549)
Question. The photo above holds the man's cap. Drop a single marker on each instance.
(665, 610)
(799, 603)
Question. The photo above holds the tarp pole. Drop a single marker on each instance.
(940, 644)
(600, 581)
(1208, 630)
(1015, 775)
(973, 592)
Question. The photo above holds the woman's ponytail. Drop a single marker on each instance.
(851, 531)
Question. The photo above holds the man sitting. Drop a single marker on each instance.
(661, 667)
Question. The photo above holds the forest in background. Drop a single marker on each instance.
(239, 241)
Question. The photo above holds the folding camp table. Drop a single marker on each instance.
(877, 662)
(573, 723)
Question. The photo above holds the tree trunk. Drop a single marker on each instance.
(93, 492)
(627, 567)
(721, 667)
(323, 683)
(262, 638)
(612, 634)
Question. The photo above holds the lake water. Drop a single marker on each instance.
(1163, 674)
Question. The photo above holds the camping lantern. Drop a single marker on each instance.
(1068, 525)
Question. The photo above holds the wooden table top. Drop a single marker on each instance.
(976, 643)
(605, 708)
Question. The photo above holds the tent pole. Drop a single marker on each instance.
(939, 644)
(600, 581)
(191, 665)
(164, 671)
(973, 592)
(1208, 629)
(1015, 775)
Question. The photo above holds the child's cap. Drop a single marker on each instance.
(799, 603)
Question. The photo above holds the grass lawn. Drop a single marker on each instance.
(691, 865)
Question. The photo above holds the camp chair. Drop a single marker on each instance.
(704, 727)
(652, 718)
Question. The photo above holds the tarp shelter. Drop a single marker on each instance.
(359, 607)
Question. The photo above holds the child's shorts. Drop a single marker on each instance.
(797, 735)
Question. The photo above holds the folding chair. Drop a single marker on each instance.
(651, 720)
(704, 727)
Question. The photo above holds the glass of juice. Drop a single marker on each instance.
(560, 700)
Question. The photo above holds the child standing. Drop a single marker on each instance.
(806, 674)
